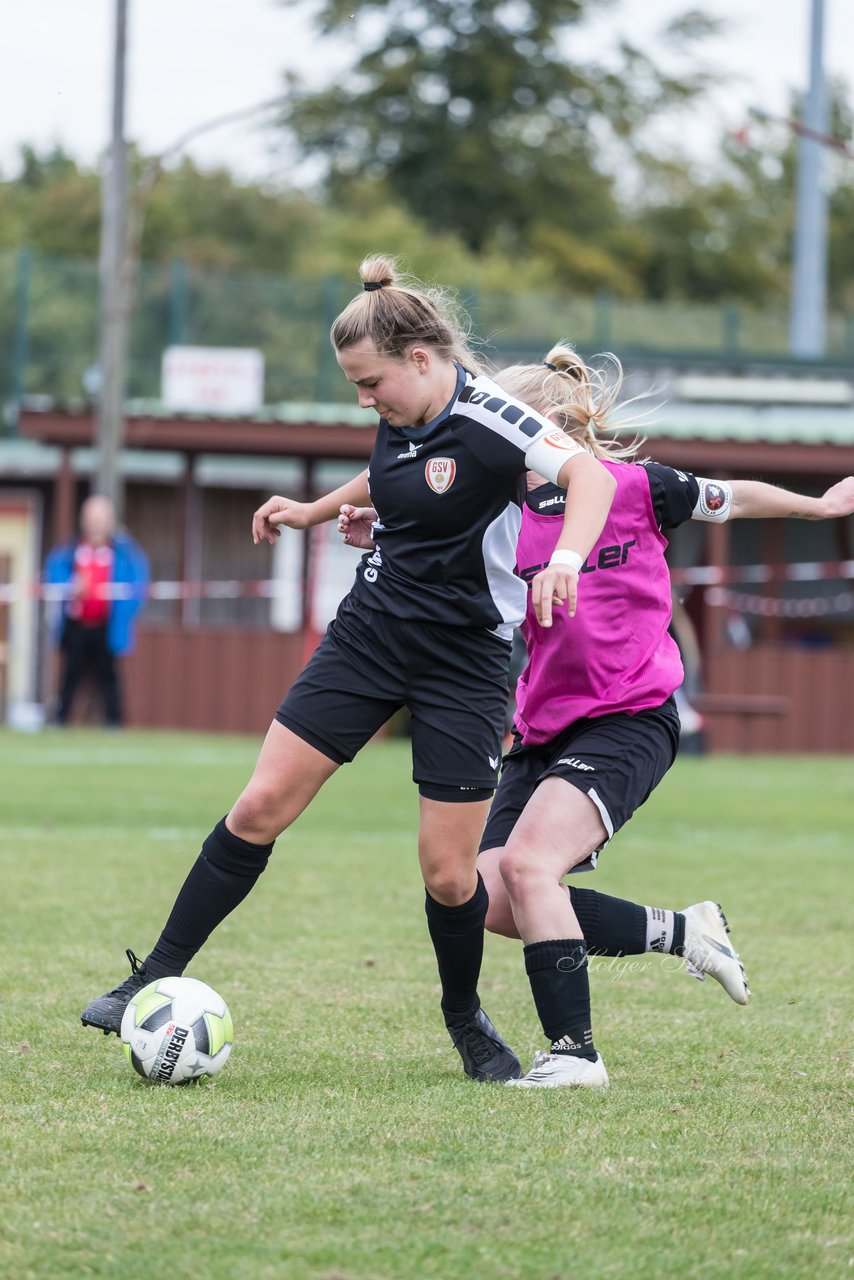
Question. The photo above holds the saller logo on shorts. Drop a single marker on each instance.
(440, 474)
(575, 763)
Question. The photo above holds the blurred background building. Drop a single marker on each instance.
(726, 287)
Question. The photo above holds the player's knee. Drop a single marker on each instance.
(257, 814)
(520, 873)
(451, 886)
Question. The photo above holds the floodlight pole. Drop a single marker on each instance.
(114, 286)
(121, 232)
(808, 321)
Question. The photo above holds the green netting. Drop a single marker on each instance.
(8, 311)
(49, 326)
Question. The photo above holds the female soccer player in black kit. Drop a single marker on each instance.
(427, 625)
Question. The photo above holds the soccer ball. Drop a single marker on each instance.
(176, 1030)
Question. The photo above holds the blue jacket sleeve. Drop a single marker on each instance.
(58, 570)
(130, 568)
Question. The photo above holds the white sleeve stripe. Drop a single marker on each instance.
(484, 402)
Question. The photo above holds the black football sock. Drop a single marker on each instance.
(557, 971)
(219, 880)
(617, 927)
(611, 926)
(457, 936)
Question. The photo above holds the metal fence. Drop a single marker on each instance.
(49, 325)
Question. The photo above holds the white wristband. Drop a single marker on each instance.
(569, 558)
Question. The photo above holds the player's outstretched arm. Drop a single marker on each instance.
(590, 491)
(753, 500)
(278, 510)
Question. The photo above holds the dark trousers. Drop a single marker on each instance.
(85, 650)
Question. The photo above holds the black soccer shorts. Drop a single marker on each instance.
(452, 679)
(617, 760)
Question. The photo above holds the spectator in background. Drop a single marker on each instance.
(106, 574)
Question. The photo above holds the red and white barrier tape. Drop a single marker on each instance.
(714, 576)
(805, 571)
(768, 607)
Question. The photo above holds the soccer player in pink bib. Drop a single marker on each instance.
(596, 726)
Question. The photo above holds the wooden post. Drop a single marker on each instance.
(190, 566)
(770, 625)
(717, 544)
(64, 501)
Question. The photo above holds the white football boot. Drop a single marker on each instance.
(563, 1070)
(707, 950)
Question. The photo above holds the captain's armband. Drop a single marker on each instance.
(549, 452)
(714, 502)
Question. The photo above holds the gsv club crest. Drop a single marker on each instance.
(440, 474)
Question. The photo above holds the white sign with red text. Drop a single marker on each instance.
(213, 379)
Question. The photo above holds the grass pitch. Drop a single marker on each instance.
(342, 1141)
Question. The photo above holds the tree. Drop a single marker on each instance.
(479, 118)
(725, 238)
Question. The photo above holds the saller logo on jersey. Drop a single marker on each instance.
(440, 474)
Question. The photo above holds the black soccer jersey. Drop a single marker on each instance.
(675, 496)
(448, 500)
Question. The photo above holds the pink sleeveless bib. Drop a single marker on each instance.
(616, 653)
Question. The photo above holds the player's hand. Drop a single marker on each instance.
(355, 524)
(839, 499)
(556, 586)
(277, 511)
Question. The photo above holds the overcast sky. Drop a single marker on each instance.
(193, 60)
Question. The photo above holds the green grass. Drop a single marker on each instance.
(342, 1141)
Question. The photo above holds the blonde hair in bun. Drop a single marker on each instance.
(579, 398)
(397, 312)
